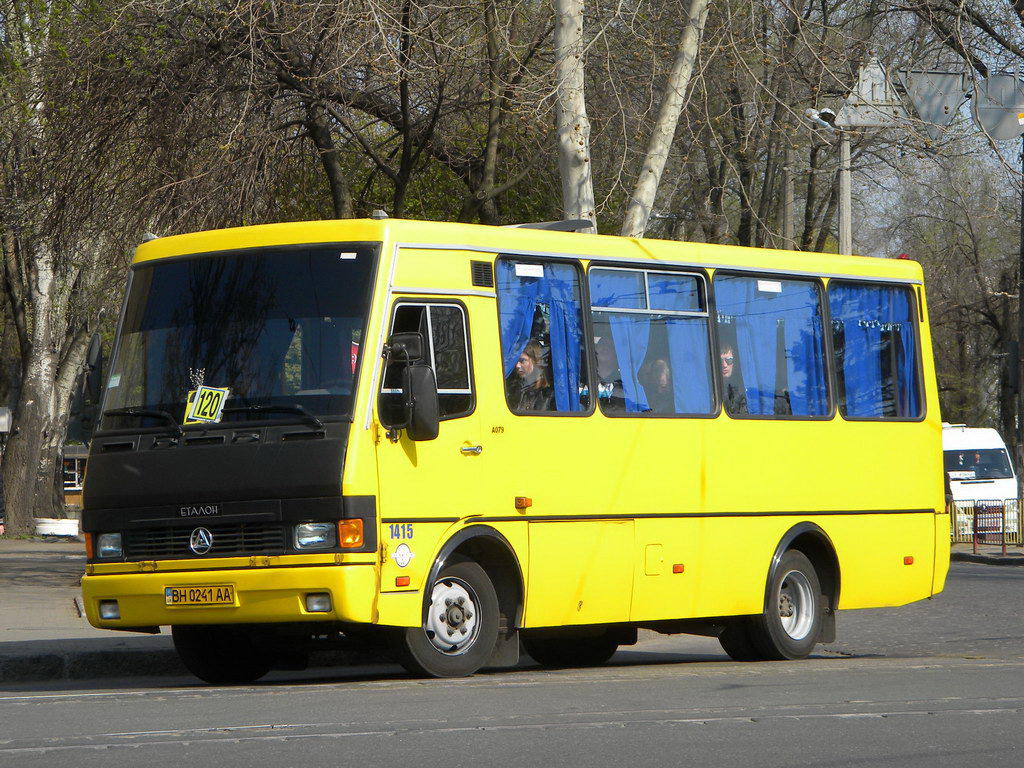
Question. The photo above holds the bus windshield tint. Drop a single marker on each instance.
(274, 327)
(984, 464)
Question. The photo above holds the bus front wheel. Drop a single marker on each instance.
(221, 655)
(460, 625)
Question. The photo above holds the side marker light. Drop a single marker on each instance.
(678, 568)
(908, 560)
(401, 581)
(523, 502)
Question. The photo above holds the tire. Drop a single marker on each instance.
(570, 651)
(221, 655)
(460, 625)
(737, 642)
(791, 623)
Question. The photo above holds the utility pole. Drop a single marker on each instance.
(788, 240)
(845, 195)
(1020, 334)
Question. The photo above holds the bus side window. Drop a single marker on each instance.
(874, 334)
(445, 331)
(771, 341)
(651, 337)
(543, 354)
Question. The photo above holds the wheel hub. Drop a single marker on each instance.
(451, 623)
(796, 605)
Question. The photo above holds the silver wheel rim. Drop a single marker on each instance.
(796, 605)
(452, 625)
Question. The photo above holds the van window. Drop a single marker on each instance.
(542, 348)
(651, 342)
(874, 337)
(980, 464)
(771, 346)
(443, 327)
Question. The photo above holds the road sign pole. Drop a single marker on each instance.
(1020, 335)
(845, 201)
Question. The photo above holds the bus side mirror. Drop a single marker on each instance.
(422, 405)
(415, 406)
(85, 399)
(93, 374)
(405, 348)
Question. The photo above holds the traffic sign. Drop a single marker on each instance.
(936, 96)
(997, 103)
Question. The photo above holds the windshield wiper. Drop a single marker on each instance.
(154, 413)
(296, 408)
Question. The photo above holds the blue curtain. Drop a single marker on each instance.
(908, 403)
(630, 333)
(755, 339)
(689, 350)
(758, 315)
(518, 297)
(862, 314)
(689, 354)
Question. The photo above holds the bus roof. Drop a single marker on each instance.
(490, 239)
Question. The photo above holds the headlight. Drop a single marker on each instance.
(315, 536)
(109, 545)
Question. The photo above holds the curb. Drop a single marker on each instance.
(85, 665)
(970, 557)
(122, 662)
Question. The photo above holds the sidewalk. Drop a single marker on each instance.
(44, 636)
(989, 554)
(43, 632)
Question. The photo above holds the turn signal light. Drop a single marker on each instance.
(350, 533)
(523, 502)
(908, 560)
(88, 546)
(401, 581)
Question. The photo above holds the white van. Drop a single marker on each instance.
(979, 469)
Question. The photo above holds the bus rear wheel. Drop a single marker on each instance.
(221, 655)
(460, 625)
(571, 651)
(791, 623)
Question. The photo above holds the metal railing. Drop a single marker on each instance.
(995, 521)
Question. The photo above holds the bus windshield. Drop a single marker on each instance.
(279, 328)
(977, 464)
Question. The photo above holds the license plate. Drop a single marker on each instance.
(218, 594)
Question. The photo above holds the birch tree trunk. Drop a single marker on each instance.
(51, 267)
(638, 213)
(571, 121)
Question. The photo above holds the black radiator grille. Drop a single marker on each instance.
(252, 538)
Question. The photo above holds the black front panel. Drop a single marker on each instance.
(233, 529)
(262, 462)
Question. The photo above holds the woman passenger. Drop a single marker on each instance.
(529, 386)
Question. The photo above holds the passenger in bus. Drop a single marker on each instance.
(733, 392)
(529, 387)
(609, 377)
(656, 377)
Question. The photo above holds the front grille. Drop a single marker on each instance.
(251, 538)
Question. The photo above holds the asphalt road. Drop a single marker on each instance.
(939, 683)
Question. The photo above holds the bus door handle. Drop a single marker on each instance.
(471, 450)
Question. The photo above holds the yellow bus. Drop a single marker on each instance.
(459, 441)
